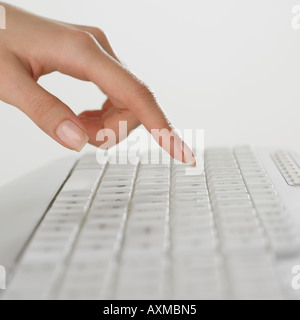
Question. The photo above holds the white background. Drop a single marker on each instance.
(230, 67)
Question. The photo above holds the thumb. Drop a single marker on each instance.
(49, 113)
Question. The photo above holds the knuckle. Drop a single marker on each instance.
(98, 34)
(43, 109)
(82, 39)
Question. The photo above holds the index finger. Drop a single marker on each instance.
(117, 82)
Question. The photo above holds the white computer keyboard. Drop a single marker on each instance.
(162, 231)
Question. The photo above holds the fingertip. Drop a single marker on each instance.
(194, 164)
(189, 156)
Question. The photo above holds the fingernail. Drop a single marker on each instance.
(74, 137)
(182, 152)
(189, 156)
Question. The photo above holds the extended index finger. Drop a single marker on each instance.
(118, 82)
(87, 60)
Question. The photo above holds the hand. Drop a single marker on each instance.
(32, 46)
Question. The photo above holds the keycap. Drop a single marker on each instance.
(288, 167)
(82, 180)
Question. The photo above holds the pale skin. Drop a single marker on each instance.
(32, 46)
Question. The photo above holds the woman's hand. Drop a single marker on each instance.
(32, 46)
